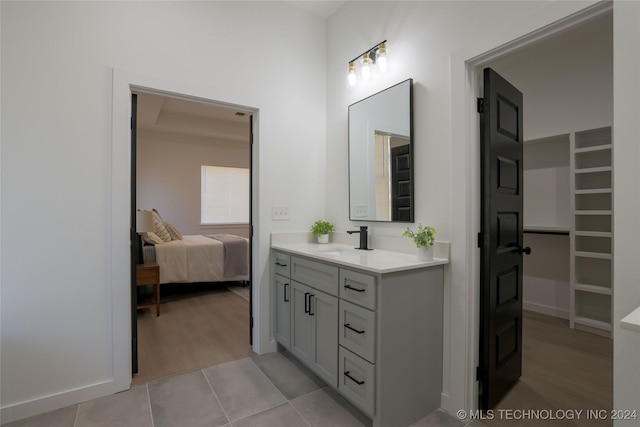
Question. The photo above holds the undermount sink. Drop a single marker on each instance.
(330, 252)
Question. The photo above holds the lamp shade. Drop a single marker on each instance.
(144, 221)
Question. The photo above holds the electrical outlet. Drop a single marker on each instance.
(280, 213)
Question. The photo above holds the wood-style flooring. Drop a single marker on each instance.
(200, 325)
(562, 369)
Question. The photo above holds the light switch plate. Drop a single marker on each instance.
(280, 213)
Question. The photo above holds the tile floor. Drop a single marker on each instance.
(261, 391)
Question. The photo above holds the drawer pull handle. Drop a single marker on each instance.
(348, 326)
(354, 289)
(286, 285)
(306, 302)
(346, 374)
(281, 265)
(311, 296)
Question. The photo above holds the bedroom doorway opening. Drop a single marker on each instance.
(192, 167)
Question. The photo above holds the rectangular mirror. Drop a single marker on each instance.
(381, 156)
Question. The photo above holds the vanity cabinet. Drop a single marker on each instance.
(374, 336)
(282, 287)
(314, 330)
(282, 292)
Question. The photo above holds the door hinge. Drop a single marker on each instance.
(480, 105)
(131, 123)
(478, 373)
(251, 322)
(479, 240)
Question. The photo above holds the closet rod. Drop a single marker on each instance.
(557, 233)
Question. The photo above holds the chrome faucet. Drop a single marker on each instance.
(363, 237)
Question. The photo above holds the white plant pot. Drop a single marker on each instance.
(323, 238)
(425, 253)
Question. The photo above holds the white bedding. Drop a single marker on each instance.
(195, 258)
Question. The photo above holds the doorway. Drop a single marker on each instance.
(182, 145)
(582, 361)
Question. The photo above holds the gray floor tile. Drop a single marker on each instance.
(64, 417)
(128, 408)
(280, 416)
(242, 388)
(325, 408)
(439, 418)
(292, 379)
(185, 400)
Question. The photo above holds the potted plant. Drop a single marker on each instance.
(423, 238)
(321, 230)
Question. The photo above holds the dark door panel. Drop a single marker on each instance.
(135, 240)
(401, 183)
(501, 228)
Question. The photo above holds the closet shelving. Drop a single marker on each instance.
(591, 232)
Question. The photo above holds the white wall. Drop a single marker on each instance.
(66, 271)
(626, 204)
(427, 40)
(168, 176)
(567, 86)
(56, 102)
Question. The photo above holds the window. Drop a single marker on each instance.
(224, 195)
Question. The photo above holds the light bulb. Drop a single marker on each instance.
(366, 67)
(383, 64)
(351, 77)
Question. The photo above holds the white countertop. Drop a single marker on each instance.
(632, 321)
(376, 260)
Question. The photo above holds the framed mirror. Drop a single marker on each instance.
(381, 156)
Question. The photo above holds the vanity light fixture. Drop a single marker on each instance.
(370, 61)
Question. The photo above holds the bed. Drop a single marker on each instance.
(196, 258)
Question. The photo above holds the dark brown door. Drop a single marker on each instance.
(500, 239)
(135, 240)
(250, 229)
(401, 183)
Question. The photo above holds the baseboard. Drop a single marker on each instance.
(55, 401)
(445, 401)
(545, 309)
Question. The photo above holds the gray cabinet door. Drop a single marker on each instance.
(301, 323)
(324, 311)
(283, 310)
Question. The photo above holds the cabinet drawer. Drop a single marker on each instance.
(282, 264)
(356, 381)
(320, 276)
(358, 288)
(147, 274)
(358, 330)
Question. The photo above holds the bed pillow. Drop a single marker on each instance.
(159, 229)
(173, 231)
(151, 238)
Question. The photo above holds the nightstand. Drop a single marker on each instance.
(149, 275)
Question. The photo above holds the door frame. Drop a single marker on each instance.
(461, 332)
(134, 185)
(124, 84)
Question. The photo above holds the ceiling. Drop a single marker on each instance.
(323, 9)
(176, 116)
